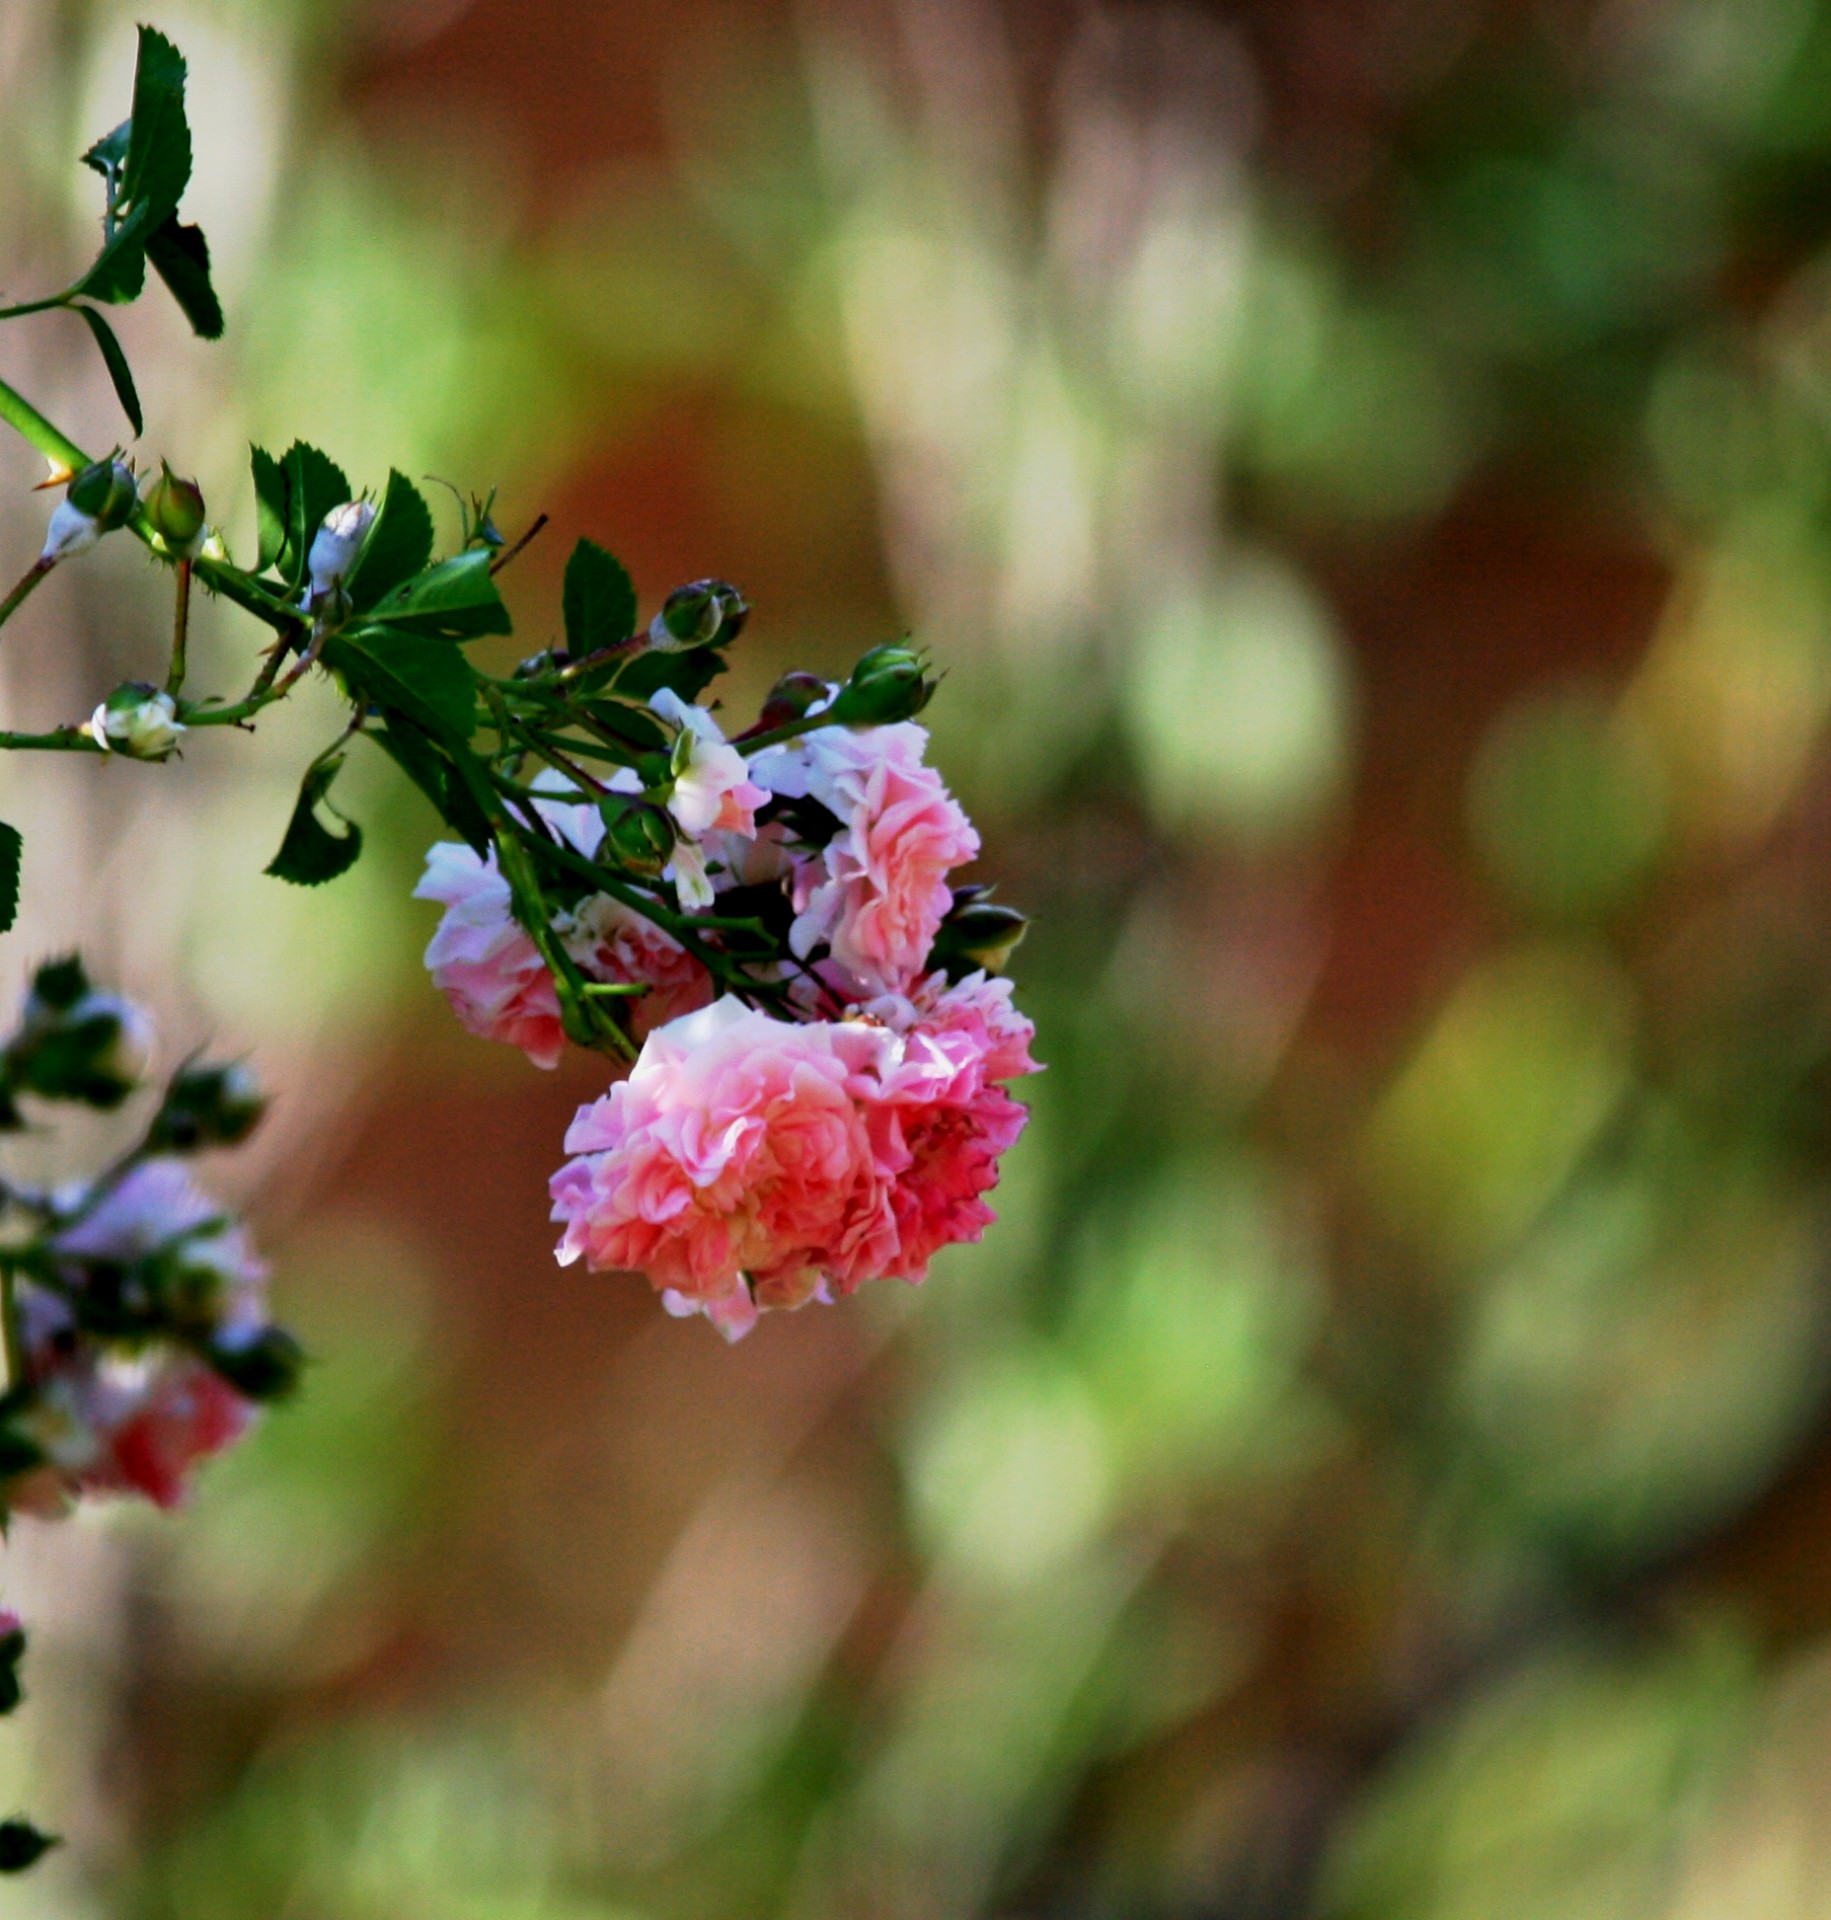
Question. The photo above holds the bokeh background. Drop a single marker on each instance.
(1366, 467)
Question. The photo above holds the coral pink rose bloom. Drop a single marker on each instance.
(482, 960)
(877, 893)
(732, 1150)
(621, 947)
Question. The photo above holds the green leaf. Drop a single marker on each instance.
(311, 853)
(158, 164)
(22, 1845)
(181, 256)
(600, 602)
(456, 600)
(423, 763)
(398, 546)
(689, 673)
(118, 370)
(427, 679)
(629, 724)
(314, 485)
(119, 273)
(12, 851)
(270, 497)
(109, 152)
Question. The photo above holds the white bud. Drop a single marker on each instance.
(335, 546)
(138, 722)
(72, 531)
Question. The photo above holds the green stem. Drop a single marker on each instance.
(36, 572)
(9, 1329)
(59, 740)
(792, 730)
(181, 627)
(37, 306)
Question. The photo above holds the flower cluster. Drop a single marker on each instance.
(136, 1335)
(819, 1095)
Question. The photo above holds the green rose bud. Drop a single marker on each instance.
(977, 936)
(137, 720)
(207, 1106)
(99, 499)
(697, 616)
(791, 699)
(888, 684)
(74, 1043)
(176, 509)
(23, 1846)
(265, 1366)
(637, 835)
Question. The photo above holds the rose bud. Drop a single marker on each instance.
(640, 836)
(262, 1365)
(207, 1107)
(887, 685)
(337, 543)
(979, 936)
(100, 498)
(175, 508)
(698, 615)
(138, 721)
(76, 1044)
(793, 697)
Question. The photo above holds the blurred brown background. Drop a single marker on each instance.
(1365, 468)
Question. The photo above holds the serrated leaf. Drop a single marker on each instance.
(600, 602)
(689, 674)
(12, 852)
(398, 546)
(181, 257)
(457, 600)
(425, 678)
(119, 273)
(118, 370)
(314, 485)
(270, 514)
(108, 152)
(311, 853)
(157, 167)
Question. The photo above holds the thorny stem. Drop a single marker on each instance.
(510, 553)
(181, 627)
(9, 1328)
(23, 592)
(790, 730)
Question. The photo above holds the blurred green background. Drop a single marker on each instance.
(1366, 467)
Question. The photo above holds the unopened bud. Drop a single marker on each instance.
(337, 543)
(546, 661)
(207, 1107)
(978, 936)
(639, 836)
(74, 1043)
(137, 720)
(262, 1365)
(100, 498)
(175, 508)
(698, 615)
(22, 1846)
(887, 685)
(792, 698)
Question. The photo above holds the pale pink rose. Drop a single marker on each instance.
(877, 893)
(617, 945)
(482, 959)
(713, 790)
(731, 1151)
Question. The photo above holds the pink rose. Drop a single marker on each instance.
(877, 893)
(482, 959)
(619, 946)
(732, 1150)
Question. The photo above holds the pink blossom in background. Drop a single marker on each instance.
(877, 893)
(482, 960)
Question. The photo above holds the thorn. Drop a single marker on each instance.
(59, 476)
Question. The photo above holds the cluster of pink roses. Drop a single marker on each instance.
(760, 1158)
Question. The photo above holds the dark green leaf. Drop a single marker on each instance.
(314, 485)
(689, 674)
(157, 167)
(427, 679)
(599, 599)
(398, 546)
(311, 853)
(182, 257)
(12, 1651)
(22, 1845)
(456, 600)
(270, 497)
(629, 724)
(12, 848)
(426, 766)
(119, 273)
(118, 370)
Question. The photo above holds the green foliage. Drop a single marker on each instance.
(181, 258)
(314, 485)
(600, 602)
(398, 545)
(428, 680)
(454, 600)
(22, 1846)
(12, 850)
(116, 363)
(270, 495)
(311, 852)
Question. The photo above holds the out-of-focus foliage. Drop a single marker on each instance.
(1368, 474)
